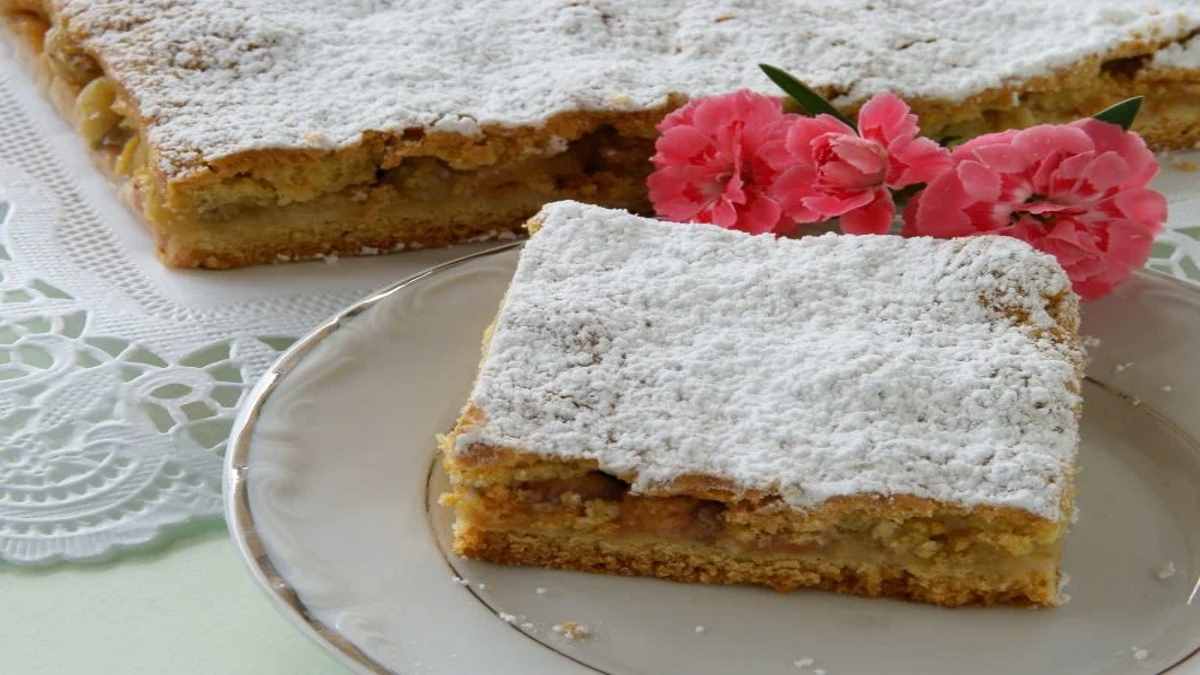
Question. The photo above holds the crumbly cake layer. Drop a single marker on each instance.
(243, 111)
(570, 516)
(812, 368)
(690, 562)
(420, 203)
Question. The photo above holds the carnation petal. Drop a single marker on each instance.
(775, 153)
(733, 189)
(715, 114)
(1093, 288)
(724, 213)
(681, 144)
(1044, 170)
(917, 161)
(995, 138)
(939, 212)
(867, 157)
(1143, 206)
(760, 216)
(1041, 208)
(1129, 145)
(758, 110)
(910, 228)
(803, 131)
(1063, 174)
(680, 192)
(885, 118)
(830, 205)
(1002, 157)
(841, 176)
(1068, 231)
(1129, 243)
(979, 183)
(1128, 250)
(1044, 140)
(791, 188)
(1108, 170)
(679, 116)
(874, 218)
(1027, 230)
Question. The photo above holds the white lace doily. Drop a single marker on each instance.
(119, 379)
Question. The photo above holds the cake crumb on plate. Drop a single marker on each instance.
(572, 630)
(1166, 571)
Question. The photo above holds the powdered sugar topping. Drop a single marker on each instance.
(816, 367)
(1179, 55)
(216, 79)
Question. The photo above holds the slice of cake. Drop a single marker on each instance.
(256, 131)
(866, 414)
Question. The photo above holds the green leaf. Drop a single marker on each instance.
(902, 196)
(1121, 114)
(808, 99)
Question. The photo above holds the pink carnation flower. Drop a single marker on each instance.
(709, 164)
(1078, 192)
(828, 170)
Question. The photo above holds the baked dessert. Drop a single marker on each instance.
(257, 131)
(871, 415)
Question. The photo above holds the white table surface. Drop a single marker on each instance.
(185, 608)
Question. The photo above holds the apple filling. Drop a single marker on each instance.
(948, 541)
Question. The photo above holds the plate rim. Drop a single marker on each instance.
(239, 518)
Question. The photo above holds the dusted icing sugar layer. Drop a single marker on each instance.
(1179, 55)
(824, 366)
(218, 78)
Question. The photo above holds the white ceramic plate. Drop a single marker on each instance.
(332, 497)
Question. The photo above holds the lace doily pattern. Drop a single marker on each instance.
(117, 393)
(1177, 251)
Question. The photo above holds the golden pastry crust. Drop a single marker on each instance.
(680, 562)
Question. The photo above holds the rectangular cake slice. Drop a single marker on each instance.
(260, 131)
(866, 414)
